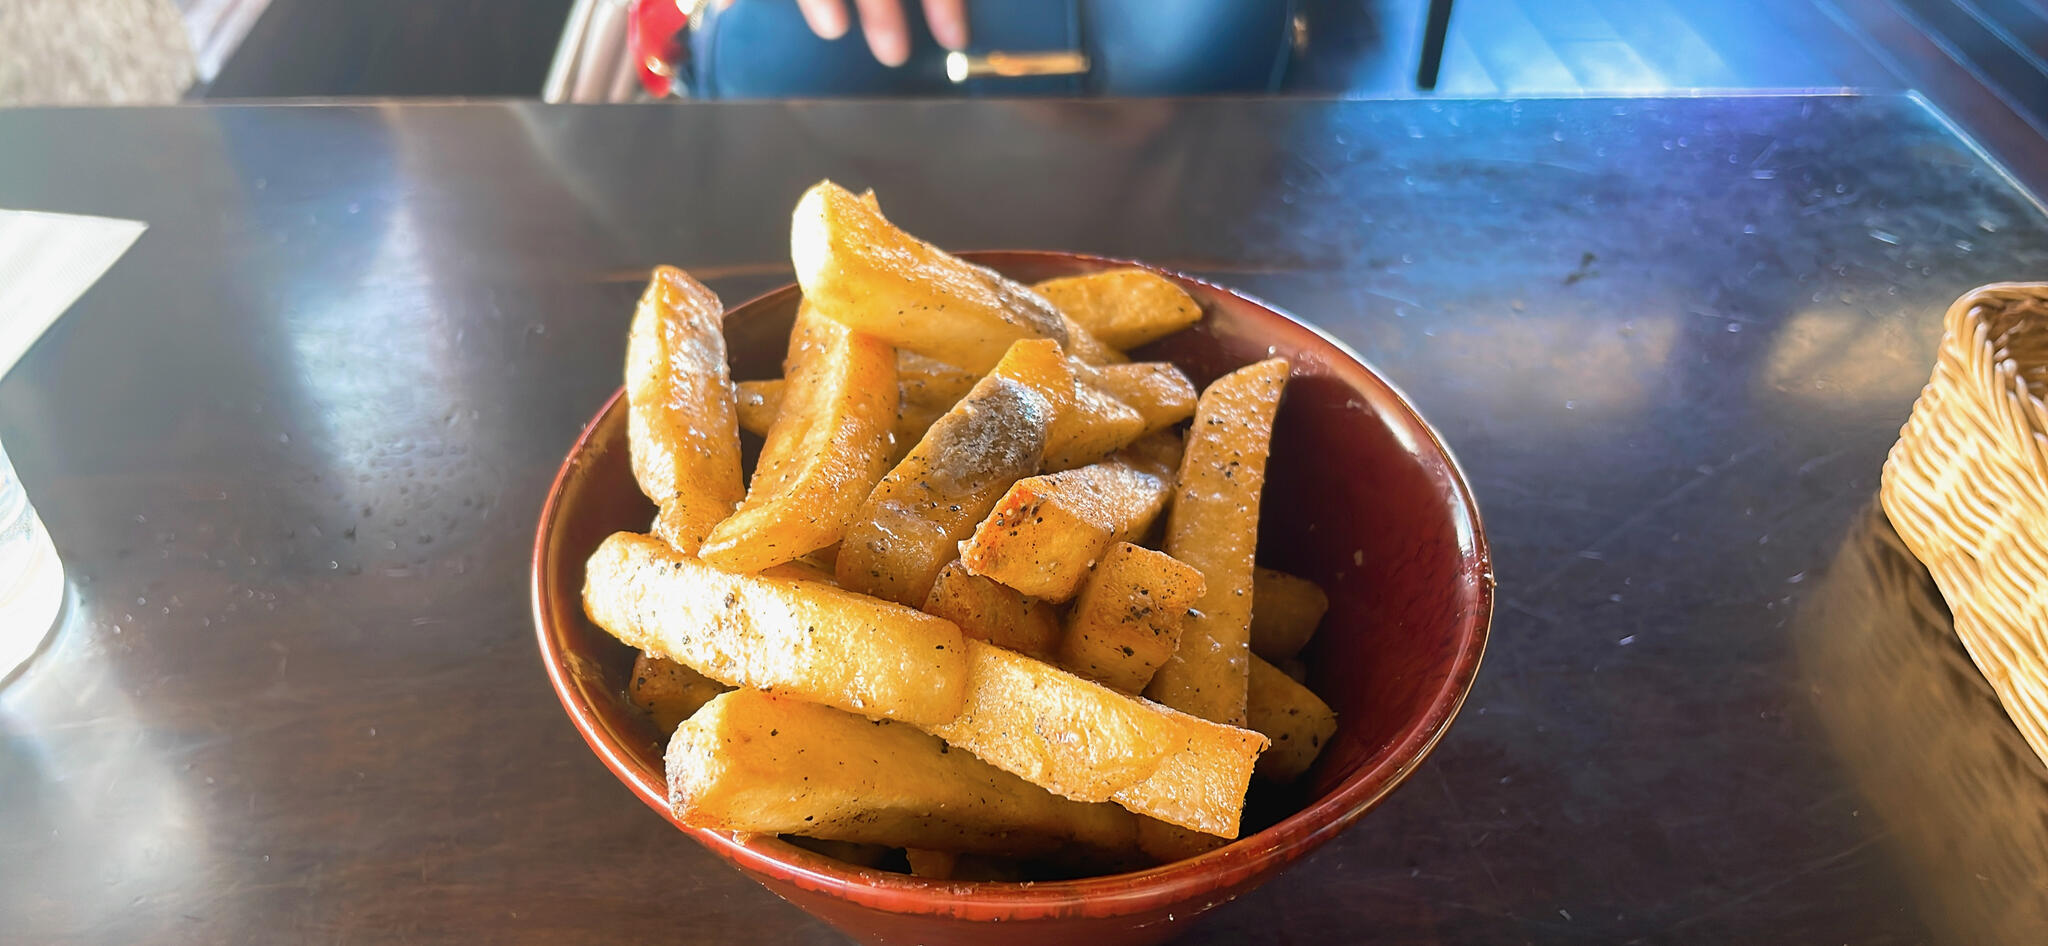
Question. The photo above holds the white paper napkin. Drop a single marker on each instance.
(46, 262)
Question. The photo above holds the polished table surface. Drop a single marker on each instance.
(293, 446)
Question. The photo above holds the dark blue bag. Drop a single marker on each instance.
(763, 49)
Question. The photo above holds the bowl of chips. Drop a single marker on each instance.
(1079, 632)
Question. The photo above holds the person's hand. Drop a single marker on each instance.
(882, 21)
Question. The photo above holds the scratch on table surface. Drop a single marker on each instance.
(1810, 867)
(1459, 811)
(1643, 515)
(1820, 461)
(1498, 914)
(1532, 611)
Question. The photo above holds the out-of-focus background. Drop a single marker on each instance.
(1983, 62)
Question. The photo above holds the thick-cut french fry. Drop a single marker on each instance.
(1097, 426)
(1083, 344)
(829, 443)
(1214, 526)
(803, 638)
(1158, 391)
(931, 382)
(986, 610)
(669, 691)
(1285, 612)
(759, 402)
(1200, 785)
(1088, 742)
(1124, 308)
(1127, 619)
(1297, 721)
(857, 267)
(752, 761)
(681, 422)
(1047, 530)
(912, 522)
(818, 643)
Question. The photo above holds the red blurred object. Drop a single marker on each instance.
(654, 38)
(1361, 497)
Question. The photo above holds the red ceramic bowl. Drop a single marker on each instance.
(1361, 496)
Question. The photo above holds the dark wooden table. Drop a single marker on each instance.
(293, 446)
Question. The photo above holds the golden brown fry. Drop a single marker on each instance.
(759, 402)
(751, 761)
(1297, 721)
(912, 423)
(803, 638)
(1214, 526)
(1097, 426)
(1087, 742)
(911, 523)
(829, 443)
(995, 613)
(1047, 530)
(1127, 619)
(681, 422)
(1201, 782)
(1158, 391)
(1083, 344)
(1124, 308)
(669, 691)
(1285, 613)
(931, 382)
(857, 267)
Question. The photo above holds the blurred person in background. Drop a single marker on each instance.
(885, 26)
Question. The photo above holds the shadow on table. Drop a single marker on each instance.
(1964, 799)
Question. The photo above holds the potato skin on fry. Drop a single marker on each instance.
(681, 422)
(800, 637)
(828, 444)
(911, 523)
(752, 761)
(1214, 526)
(857, 267)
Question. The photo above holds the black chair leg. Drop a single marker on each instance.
(1433, 44)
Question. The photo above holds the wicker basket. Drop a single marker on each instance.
(1967, 488)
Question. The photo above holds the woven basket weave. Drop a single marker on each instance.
(1967, 488)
